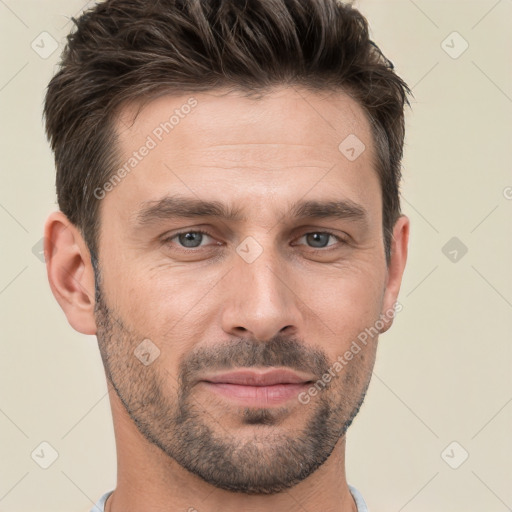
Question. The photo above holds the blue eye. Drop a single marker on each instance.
(189, 239)
(192, 239)
(319, 237)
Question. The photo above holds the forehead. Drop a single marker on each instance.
(283, 115)
(220, 142)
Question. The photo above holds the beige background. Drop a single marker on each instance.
(443, 372)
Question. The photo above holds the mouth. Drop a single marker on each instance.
(258, 387)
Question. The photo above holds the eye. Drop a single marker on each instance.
(192, 239)
(189, 239)
(319, 239)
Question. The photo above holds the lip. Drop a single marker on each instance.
(258, 388)
(272, 377)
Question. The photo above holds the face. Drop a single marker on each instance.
(287, 281)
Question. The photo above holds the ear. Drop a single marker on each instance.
(70, 272)
(398, 258)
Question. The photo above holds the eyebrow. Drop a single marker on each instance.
(170, 207)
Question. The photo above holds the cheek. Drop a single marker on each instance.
(345, 305)
(162, 304)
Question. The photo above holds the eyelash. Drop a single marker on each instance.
(312, 249)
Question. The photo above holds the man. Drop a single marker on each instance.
(230, 230)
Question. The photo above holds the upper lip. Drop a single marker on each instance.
(246, 377)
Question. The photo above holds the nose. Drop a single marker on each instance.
(260, 300)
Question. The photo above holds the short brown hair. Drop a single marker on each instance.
(135, 50)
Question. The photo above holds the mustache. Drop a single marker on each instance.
(248, 353)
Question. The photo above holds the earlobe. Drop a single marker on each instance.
(396, 267)
(70, 272)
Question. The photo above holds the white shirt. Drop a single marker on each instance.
(361, 505)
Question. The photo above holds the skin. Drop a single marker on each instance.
(179, 445)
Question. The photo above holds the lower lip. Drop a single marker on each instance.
(262, 396)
